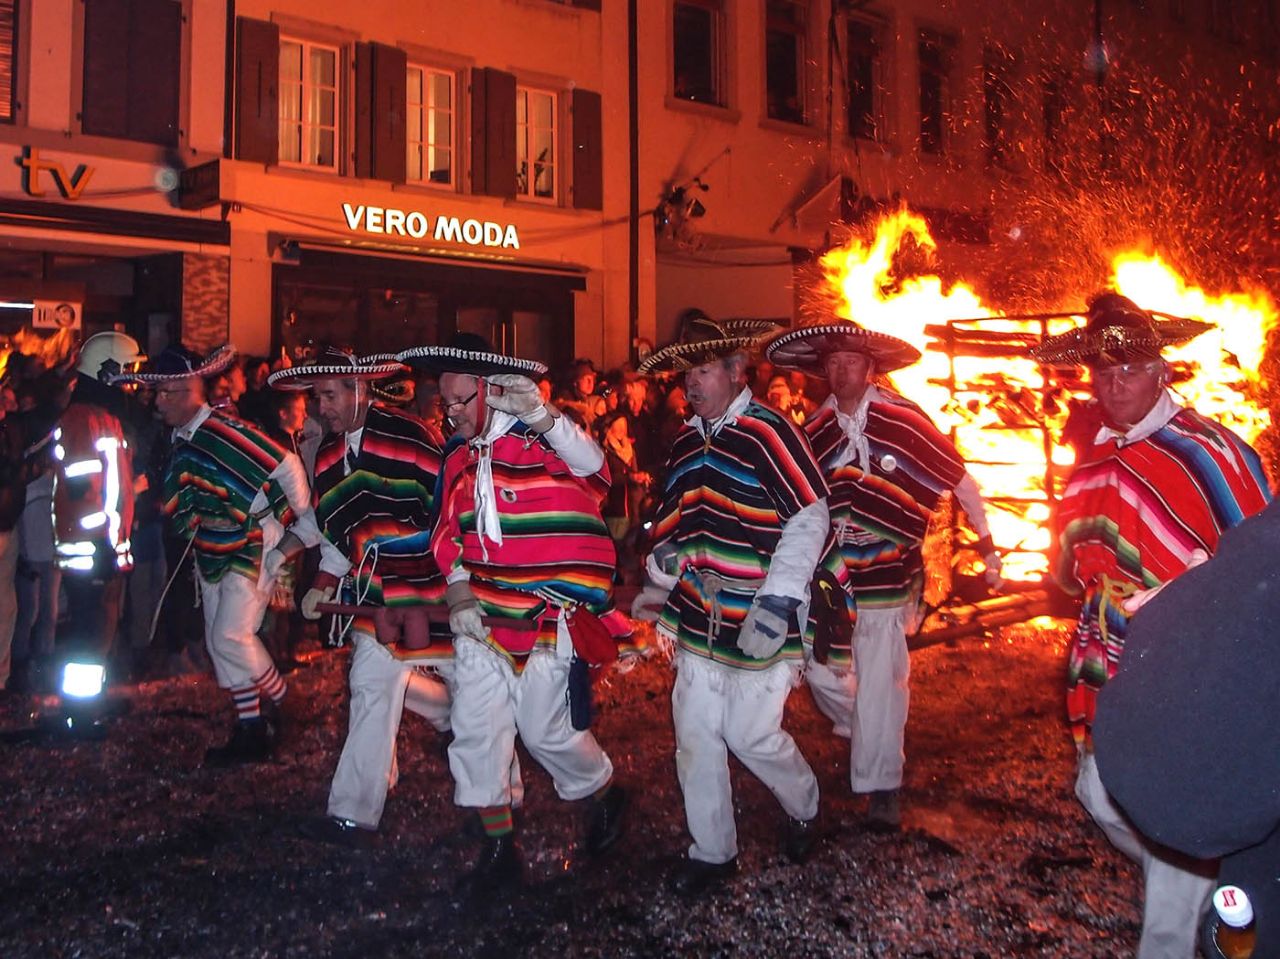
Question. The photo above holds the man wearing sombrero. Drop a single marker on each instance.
(1151, 495)
(887, 466)
(529, 565)
(738, 533)
(375, 480)
(230, 491)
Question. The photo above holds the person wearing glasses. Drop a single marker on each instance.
(243, 504)
(1149, 497)
(529, 568)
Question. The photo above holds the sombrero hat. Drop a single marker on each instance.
(1117, 330)
(805, 348)
(333, 362)
(179, 363)
(467, 353)
(704, 340)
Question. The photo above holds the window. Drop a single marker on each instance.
(430, 120)
(8, 57)
(934, 51)
(535, 143)
(132, 70)
(784, 59)
(997, 99)
(866, 69)
(698, 51)
(308, 104)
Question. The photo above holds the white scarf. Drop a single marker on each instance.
(855, 429)
(487, 522)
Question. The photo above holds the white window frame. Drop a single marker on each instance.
(800, 34)
(431, 116)
(524, 139)
(718, 54)
(304, 125)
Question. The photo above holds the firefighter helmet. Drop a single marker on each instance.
(109, 354)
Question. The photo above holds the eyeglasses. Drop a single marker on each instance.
(459, 405)
(1126, 371)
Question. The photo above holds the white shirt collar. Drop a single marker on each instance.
(728, 416)
(1165, 409)
(188, 429)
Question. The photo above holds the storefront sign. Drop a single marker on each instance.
(55, 315)
(70, 185)
(388, 221)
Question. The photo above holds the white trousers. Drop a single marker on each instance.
(491, 704)
(233, 609)
(381, 686)
(870, 705)
(718, 711)
(1176, 892)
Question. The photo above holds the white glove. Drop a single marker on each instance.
(313, 598)
(1144, 596)
(520, 398)
(464, 612)
(272, 562)
(765, 629)
(994, 565)
(648, 604)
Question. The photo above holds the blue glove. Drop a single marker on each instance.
(765, 629)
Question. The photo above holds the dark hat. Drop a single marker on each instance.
(332, 362)
(1117, 330)
(467, 353)
(704, 340)
(179, 363)
(806, 347)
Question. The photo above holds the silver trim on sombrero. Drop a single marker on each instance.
(443, 354)
(889, 352)
(739, 335)
(362, 368)
(1076, 347)
(215, 363)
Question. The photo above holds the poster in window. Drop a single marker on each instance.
(55, 315)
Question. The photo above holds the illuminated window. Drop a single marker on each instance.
(430, 126)
(308, 104)
(535, 144)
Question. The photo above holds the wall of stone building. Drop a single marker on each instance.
(206, 301)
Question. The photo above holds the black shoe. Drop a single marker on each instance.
(884, 811)
(250, 743)
(338, 832)
(801, 836)
(696, 876)
(498, 868)
(606, 819)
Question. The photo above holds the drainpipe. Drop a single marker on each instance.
(633, 218)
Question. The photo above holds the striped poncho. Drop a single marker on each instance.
(214, 474)
(555, 548)
(1130, 518)
(726, 500)
(379, 515)
(879, 514)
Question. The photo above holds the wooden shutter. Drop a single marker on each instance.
(155, 74)
(257, 90)
(105, 109)
(588, 151)
(381, 95)
(493, 132)
(132, 69)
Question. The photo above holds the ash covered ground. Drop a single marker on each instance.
(127, 847)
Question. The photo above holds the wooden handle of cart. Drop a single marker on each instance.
(435, 615)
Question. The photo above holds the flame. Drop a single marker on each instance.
(1003, 416)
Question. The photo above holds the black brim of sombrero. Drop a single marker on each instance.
(679, 357)
(450, 359)
(305, 376)
(1077, 347)
(806, 348)
(218, 361)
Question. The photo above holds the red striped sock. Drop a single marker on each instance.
(248, 705)
(271, 684)
(496, 820)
